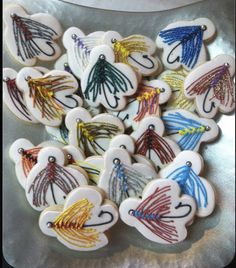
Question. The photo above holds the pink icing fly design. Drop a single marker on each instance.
(154, 213)
(219, 80)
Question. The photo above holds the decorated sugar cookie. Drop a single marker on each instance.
(183, 43)
(29, 37)
(150, 142)
(106, 82)
(79, 47)
(189, 130)
(14, 98)
(134, 50)
(212, 87)
(162, 214)
(80, 224)
(120, 178)
(178, 100)
(49, 181)
(92, 134)
(49, 96)
(25, 154)
(127, 143)
(185, 170)
(149, 96)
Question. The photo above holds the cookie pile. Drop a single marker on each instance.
(126, 127)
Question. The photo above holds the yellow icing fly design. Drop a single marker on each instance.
(123, 48)
(69, 225)
(192, 130)
(175, 79)
(42, 91)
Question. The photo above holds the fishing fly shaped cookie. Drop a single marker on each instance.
(178, 100)
(211, 86)
(78, 48)
(25, 156)
(50, 180)
(48, 97)
(14, 98)
(135, 50)
(80, 224)
(29, 37)
(162, 214)
(150, 142)
(185, 170)
(188, 129)
(121, 178)
(149, 96)
(92, 134)
(183, 43)
(106, 82)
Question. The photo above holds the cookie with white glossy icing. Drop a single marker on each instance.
(183, 43)
(31, 37)
(121, 178)
(211, 86)
(80, 224)
(50, 180)
(106, 82)
(185, 170)
(162, 214)
(92, 134)
(48, 97)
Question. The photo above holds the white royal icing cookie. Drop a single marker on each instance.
(92, 134)
(178, 100)
(80, 224)
(162, 214)
(14, 98)
(25, 154)
(150, 142)
(149, 96)
(134, 50)
(185, 170)
(49, 96)
(120, 178)
(78, 47)
(49, 181)
(29, 37)
(183, 43)
(212, 87)
(106, 82)
(188, 129)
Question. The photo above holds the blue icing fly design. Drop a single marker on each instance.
(190, 183)
(190, 38)
(125, 181)
(190, 130)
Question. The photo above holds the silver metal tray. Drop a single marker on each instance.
(211, 240)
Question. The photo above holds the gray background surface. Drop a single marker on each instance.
(211, 240)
